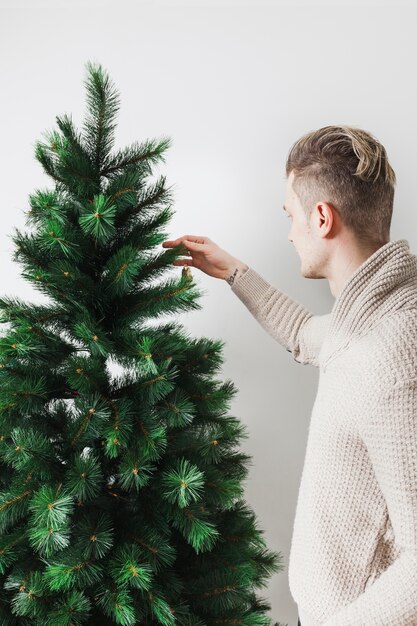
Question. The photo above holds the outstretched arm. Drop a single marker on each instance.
(286, 320)
(298, 330)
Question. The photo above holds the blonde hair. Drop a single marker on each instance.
(348, 168)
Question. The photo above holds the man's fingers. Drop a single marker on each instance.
(183, 262)
(193, 245)
(192, 238)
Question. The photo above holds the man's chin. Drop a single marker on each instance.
(310, 274)
(306, 272)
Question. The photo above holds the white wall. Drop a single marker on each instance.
(234, 84)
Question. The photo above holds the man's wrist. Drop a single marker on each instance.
(235, 272)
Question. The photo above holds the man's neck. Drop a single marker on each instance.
(344, 264)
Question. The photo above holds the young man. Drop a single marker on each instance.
(353, 557)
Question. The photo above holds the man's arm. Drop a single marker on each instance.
(390, 435)
(286, 320)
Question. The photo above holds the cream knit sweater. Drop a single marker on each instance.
(353, 556)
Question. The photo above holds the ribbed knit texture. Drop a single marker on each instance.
(353, 556)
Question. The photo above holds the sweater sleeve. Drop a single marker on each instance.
(286, 320)
(390, 436)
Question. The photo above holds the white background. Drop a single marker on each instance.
(234, 84)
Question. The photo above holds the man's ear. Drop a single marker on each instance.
(325, 212)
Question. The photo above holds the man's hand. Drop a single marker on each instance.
(207, 256)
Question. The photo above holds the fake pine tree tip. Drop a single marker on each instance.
(121, 496)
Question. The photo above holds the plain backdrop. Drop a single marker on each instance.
(234, 84)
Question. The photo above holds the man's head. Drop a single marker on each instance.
(340, 193)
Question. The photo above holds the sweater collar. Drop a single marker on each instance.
(384, 282)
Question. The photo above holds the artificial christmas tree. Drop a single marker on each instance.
(121, 495)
